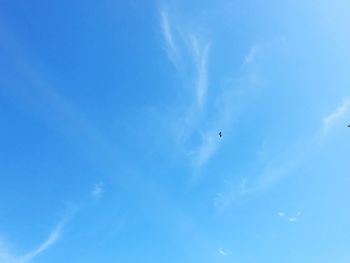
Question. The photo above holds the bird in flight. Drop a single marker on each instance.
(221, 134)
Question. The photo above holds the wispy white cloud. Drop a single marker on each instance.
(208, 146)
(7, 257)
(209, 143)
(277, 170)
(292, 219)
(168, 36)
(97, 190)
(201, 54)
(271, 175)
(336, 115)
(51, 240)
(167, 30)
(281, 214)
(250, 57)
(226, 96)
(197, 63)
(257, 184)
(231, 192)
(223, 252)
(260, 48)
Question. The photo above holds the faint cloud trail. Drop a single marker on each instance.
(167, 30)
(202, 54)
(337, 114)
(273, 174)
(203, 153)
(223, 252)
(54, 236)
(171, 47)
(97, 190)
(7, 257)
(250, 57)
(191, 120)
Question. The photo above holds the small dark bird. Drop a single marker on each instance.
(221, 134)
(349, 126)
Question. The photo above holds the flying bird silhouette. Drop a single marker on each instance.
(221, 134)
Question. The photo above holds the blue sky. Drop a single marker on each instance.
(109, 120)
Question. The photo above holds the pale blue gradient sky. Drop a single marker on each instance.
(109, 120)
